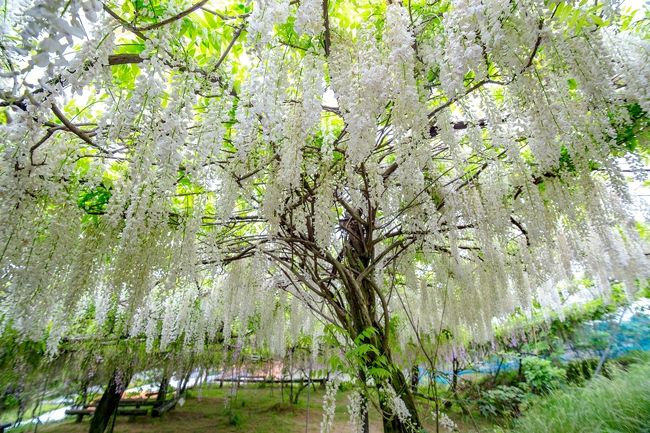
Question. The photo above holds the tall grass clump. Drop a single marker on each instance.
(617, 405)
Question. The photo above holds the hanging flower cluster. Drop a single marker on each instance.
(329, 405)
(357, 410)
(395, 404)
(188, 174)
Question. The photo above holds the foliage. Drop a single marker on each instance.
(581, 370)
(261, 167)
(541, 375)
(617, 405)
(234, 418)
(176, 176)
(633, 357)
(502, 401)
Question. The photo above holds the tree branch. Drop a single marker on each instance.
(127, 25)
(124, 59)
(174, 18)
(229, 47)
(521, 229)
(326, 24)
(73, 128)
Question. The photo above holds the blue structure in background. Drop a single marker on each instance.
(630, 334)
(619, 335)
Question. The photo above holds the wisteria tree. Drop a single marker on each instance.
(387, 169)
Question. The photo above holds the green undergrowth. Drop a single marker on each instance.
(616, 403)
(252, 409)
(620, 404)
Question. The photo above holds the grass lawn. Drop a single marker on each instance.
(10, 415)
(255, 410)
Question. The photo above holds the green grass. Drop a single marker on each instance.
(9, 415)
(619, 405)
(254, 410)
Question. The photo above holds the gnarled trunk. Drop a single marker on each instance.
(363, 296)
(397, 380)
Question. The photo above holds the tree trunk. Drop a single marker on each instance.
(415, 377)
(455, 363)
(282, 381)
(84, 393)
(162, 390)
(182, 386)
(107, 405)
(291, 375)
(401, 386)
(83, 401)
(391, 422)
(22, 402)
(363, 296)
(496, 375)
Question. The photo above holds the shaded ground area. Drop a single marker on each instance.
(254, 410)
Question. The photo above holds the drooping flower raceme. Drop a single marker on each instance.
(329, 405)
(191, 175)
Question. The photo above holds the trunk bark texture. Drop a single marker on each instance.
(415, 378)
(162, 390)
(107, 405)
(363, 296)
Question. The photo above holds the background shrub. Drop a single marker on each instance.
(502, 401)
(617, 405)
(541, 375)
